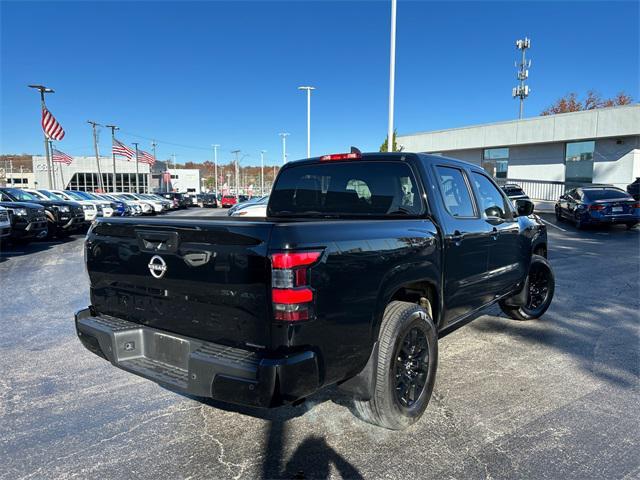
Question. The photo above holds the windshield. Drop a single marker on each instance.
(605, 194)
(77, 195)
(50, 195)
(19, 195)
(512, 191)
(346, 189)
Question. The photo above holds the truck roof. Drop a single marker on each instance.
(382, 156)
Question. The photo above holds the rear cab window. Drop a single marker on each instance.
(347, 189)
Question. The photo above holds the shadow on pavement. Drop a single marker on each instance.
(312, 458)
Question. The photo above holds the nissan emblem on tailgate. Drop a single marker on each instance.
(157, 266)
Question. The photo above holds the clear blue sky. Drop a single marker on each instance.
(226, 72)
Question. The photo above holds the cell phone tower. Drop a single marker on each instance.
(522, 91)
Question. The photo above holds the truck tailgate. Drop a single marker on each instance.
(207, 280)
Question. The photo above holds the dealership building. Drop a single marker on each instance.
(82, 174)
(546, 154)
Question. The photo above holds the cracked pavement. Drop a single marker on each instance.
(554, 398)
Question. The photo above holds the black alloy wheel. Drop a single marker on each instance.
(538, 287)
(411, 367)
(540, 290)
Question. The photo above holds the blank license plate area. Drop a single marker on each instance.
(170, 350)
(616, 209)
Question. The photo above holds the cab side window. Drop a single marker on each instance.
(455, 192)
(492, 202)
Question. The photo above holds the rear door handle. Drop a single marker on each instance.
(494, 233)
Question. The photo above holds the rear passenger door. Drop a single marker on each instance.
(507, 250)
(466, 244)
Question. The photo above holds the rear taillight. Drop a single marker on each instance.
(291, 294)
(636, 205)
(596, 207)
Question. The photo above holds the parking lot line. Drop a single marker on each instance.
(553, 225)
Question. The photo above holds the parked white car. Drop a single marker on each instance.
(256, 210)
(90, 209)
(146, 207)
(155, 203)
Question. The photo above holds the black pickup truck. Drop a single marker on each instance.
(362, 262)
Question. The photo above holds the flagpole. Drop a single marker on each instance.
(95, 146)
(113, 155)
(61, 169)
(46, 144)
(137, 171)
(153, 148)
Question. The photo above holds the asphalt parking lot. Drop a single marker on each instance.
(553, 398)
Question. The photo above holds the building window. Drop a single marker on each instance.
(495, 162)
(578, 162)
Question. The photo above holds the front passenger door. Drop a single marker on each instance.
(507, 249)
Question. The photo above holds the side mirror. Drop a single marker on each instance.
(524, 207)
(495, 215)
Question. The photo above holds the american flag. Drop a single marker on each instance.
(61, 157)
(146, 157)
(52, 129)
(120, 149)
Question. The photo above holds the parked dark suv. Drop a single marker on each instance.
(28, 220)
(63, 217)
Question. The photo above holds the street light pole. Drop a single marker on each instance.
(308, 89)
(284, 136)
(137, 180)
(215, 165)
(262, 152)
(236, 152)
(113, 155)
(42, 89)
(392, 76)
(95, 146)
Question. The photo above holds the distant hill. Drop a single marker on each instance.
(17, 161)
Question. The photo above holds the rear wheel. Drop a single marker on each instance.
(540, 285)
(405, 368)
(558, 215)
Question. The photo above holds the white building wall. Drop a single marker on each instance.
(81, 165)
(537, 162)
(185, 180)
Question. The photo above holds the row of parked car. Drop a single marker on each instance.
(28, 214)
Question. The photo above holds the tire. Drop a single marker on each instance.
(559, 215)
(536, 306)
(61, 234)
(392, 405)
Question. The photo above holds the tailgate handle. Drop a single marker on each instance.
(197, 259)
(157, 241)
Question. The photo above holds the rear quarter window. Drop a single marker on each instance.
(358, 188)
